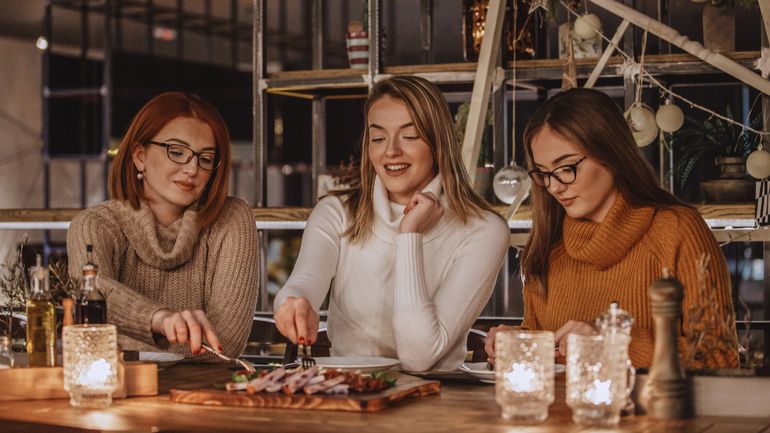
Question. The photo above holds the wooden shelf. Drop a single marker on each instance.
(353, 83)
(714, 212)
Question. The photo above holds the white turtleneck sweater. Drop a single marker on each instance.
(409, 296)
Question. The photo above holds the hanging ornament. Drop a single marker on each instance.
(758, 163)
(641, 120)
(511, 185)
(587, 26)
(669, 117)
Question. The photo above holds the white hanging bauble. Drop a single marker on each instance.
(641, 120)
(511, 185)
(586, 26)
(669, 118)
(758, 164)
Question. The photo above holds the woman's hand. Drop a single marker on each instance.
(489, 345)
(422, 212)
(297, 320)
(186, 326)
(571, 327)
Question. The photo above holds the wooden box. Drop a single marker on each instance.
(38, 383)
(733, 396)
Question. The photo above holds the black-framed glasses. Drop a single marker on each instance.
(566, 174)
(181, 154)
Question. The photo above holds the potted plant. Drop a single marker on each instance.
(728, 144)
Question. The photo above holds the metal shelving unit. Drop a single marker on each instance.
(535, 76)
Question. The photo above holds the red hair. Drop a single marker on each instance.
(159, 111)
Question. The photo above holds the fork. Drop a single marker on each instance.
(247, 366)
(302, 357)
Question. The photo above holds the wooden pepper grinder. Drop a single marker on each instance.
(669, 392)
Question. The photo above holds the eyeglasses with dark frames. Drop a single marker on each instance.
(181, 154)
(565, 174)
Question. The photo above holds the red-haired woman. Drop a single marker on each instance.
(177, 257)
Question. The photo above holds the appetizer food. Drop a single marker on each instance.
(314, 380)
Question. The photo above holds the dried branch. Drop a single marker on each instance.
(13, 286)
(711, 337)
(61, 283)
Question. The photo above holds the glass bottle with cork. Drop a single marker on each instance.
(90, 307)
(41, 319)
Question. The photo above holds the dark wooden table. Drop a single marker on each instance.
(461, 408)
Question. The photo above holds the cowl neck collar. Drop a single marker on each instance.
(162, 247)
(607, 243)
(388, 215)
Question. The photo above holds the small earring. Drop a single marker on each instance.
(140, 176)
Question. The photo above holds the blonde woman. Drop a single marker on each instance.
(411, 257)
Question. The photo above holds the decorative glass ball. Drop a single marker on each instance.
(512, 184)
(669, 118)
(641, 119)
(758, 164)
(586, 26)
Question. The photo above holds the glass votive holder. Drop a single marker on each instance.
(524, 381)
(599, 378)
(90, 364)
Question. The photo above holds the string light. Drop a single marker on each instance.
(644, 73)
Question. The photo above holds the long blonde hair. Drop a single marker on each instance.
(430, 114)
(592, 120)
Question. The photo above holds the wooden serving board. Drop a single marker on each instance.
(406, 387)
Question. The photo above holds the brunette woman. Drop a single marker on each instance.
(177, 257)
(603, 230)
(412, 255)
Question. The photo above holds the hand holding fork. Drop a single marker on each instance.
(303, 358)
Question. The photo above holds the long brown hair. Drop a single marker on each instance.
(430, 114)
(123, 184)
(591, 120)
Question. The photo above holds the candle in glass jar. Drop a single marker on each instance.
(524, 384)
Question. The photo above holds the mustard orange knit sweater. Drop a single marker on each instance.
(616, 260)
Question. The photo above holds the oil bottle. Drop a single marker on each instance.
(41, 319)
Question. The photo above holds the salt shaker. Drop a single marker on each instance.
(615, 324)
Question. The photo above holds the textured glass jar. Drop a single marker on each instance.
(599, 379)
(6, 355)
(90, 364)
(524, 384)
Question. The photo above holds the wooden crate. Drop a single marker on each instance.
(39, 383)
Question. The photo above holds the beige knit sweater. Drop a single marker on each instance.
(144, 267)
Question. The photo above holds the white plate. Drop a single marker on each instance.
(363, 364)
(479, 371)
(163, 359)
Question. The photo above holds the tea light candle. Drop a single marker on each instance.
(599, 393)
(95, 375)
(522, 378)
(90, 364)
